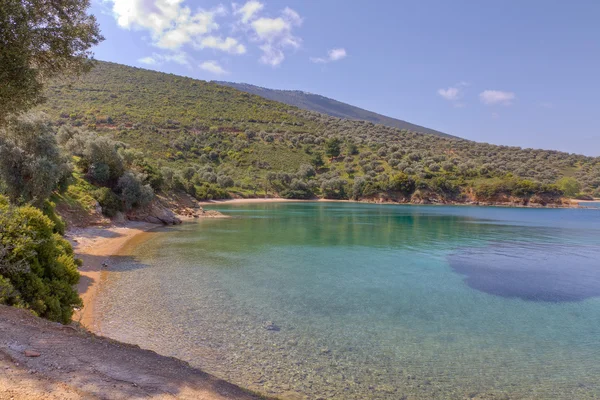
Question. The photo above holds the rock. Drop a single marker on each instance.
(32, 353)
(270, 326)
(155, 213)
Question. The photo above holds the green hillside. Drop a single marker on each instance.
(325, 105)
(217, 140)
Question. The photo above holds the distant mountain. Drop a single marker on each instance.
(325, 105)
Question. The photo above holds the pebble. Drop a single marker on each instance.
(32, 353)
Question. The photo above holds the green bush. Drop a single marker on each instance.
(50, 212)
(37, 267)
(108, 200)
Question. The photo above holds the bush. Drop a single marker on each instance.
(37, 267)
(49, 211)
(297, 190)
(225, 181)
(133, 192)
(334, 188)
(31, 164)
(108, 200)
(569, 186)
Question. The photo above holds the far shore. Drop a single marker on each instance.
(573, 203)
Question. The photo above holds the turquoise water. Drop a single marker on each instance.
(357, 301)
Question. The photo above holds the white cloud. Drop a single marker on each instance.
(148, 60)
(248, 10)
(492, 97)
(452, 93)
(170, 23)
(213, 67)
(271, 55)
(273, 35)
(174, 26)
(332, 55)
(158, 59)
(229, 45)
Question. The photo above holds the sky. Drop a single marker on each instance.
(519, 73)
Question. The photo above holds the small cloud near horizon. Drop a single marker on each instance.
(454, 93)
(332, 55)
(493, 97)
(213, 67)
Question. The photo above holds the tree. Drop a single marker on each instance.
(333, 147)
(569, 186)
(133, 192)
(31, 164)
(317, 160)
(39, 40)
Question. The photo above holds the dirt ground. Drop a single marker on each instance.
(67, 363)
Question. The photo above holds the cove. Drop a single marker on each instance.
(371, 301)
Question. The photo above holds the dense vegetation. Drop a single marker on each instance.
(39, 40)
(325, 105)
(214, 141)
(37, 268)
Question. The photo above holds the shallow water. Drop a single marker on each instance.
(357, 301)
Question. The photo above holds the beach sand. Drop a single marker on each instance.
(94, 245)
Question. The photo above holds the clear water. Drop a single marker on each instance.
(357, 301)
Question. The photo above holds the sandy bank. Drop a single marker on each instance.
(94, 245)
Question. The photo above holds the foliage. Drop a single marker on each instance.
(332, 147)
(108, 200)
(134, 192)
(37, 268)
(569, 186)
(184, 124)
(40, 40)
(31, 163)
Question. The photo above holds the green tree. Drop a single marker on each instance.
(333, 147)
(133, 191)
(569, 186)
(31, 164)
(317, 160)
(39, 40)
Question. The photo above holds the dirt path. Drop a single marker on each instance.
(75, 364)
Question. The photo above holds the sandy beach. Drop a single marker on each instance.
(94, 245)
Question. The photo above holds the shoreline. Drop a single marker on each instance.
(571, 203)
(95, 245)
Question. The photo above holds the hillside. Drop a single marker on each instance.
(215, 141)
(325, 105)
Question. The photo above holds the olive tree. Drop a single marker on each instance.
(31, 163)
(40, 40)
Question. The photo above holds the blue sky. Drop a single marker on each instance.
(523, 73)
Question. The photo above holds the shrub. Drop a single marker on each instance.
(133, 192)
(108, 200)
(37, 267)
(31, 164)
(569, 186)
(225, 181)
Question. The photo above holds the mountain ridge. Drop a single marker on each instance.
(325, 105)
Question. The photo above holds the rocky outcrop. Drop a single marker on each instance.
(155, 212)
(171, 209)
